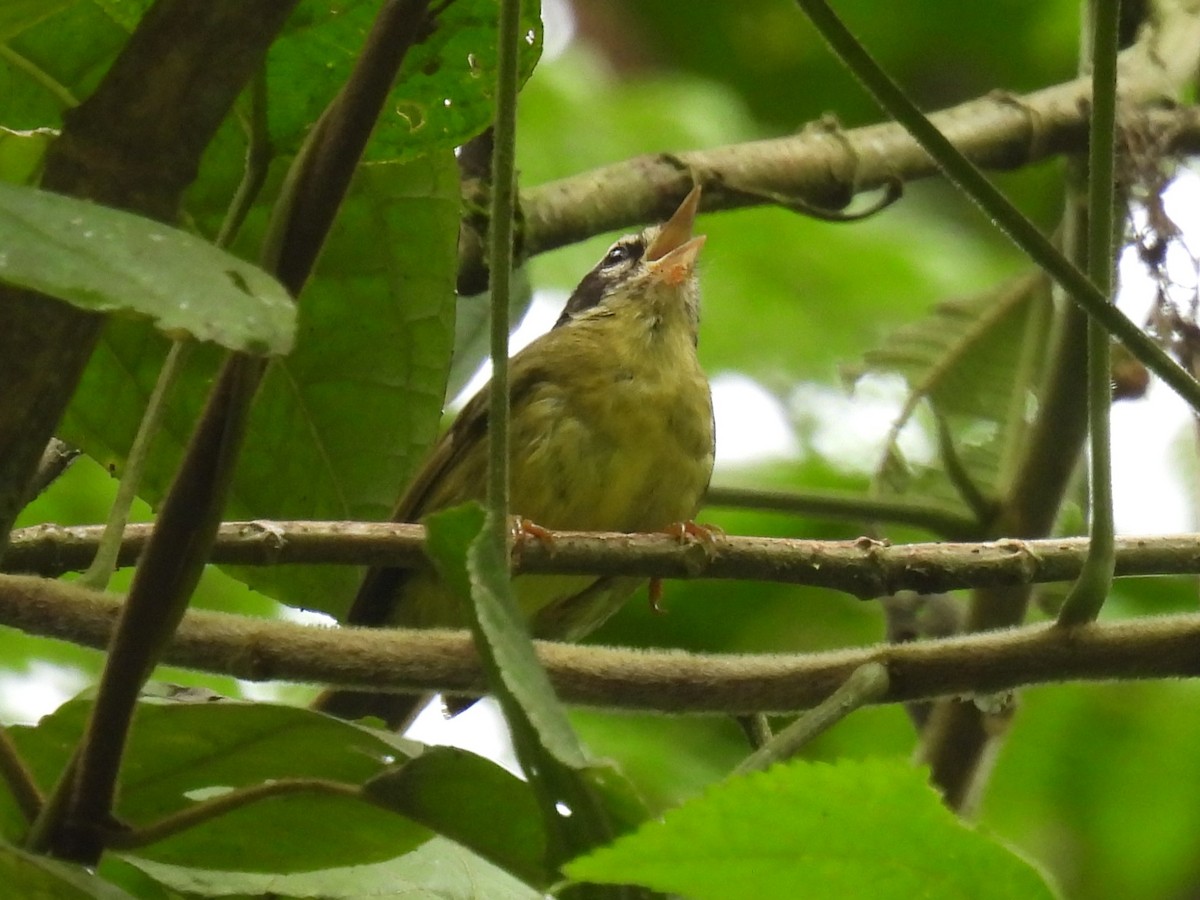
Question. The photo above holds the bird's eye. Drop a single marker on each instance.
(628, 249)
(617, 254)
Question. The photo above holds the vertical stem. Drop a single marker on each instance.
(105, 561)
(500, 259)
(1088, 595)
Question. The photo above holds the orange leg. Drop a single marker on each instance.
(523, 529)
(656, 595)
(684, 532)
(694, 531)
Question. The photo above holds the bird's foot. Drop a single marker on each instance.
(692, 532)
(523, 529)
(685, 533)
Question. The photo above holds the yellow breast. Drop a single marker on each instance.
(611, 431)
(625, 444)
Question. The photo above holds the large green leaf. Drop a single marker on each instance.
(106, 260)
(456, 793)
(975, 363)
(181, 753)
(35, 877)
(443, 96)
(52, 64)
(858, 829)
(437, 870)
(445, 91)
(18, 15)
(340, 423)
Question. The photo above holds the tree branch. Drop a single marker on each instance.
(665, 681)
(828, 166)
(866, 684)
(862, 567)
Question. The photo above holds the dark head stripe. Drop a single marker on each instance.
(589, 294)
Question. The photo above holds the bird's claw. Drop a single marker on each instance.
(693, 532)
(688, 532)
(523, 529)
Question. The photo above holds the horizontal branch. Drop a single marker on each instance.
(665, 681)
(864, 568)
(827, 166)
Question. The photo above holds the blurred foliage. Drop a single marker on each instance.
(976, 362)
(787, 300)
(942, 51)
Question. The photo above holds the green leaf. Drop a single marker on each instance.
(18, 15)
(53, 64)
(180, 753)
(339, 425)
(445, 90)
(974, 361)
(22, 153)
(128, 877)
(437, 870)
(126, 13)
(457, 793)
(856, 829)
(106, 260)
(353, 411)
(33, 877)
(580, 805)
(465, 558)
(64, 47)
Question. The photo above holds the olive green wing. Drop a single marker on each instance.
(454, 472)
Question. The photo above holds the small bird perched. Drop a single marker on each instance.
(611, 430)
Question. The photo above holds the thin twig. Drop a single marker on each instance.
(105, 561)
(500, 263)
(207, 810)
(259, 153)
(18, 779)
(757, 728)
(866, 684)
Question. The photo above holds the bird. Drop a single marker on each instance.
(611, 429)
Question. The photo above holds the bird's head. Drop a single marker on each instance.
(655, 266)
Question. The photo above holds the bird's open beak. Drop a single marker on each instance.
(672, 254)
